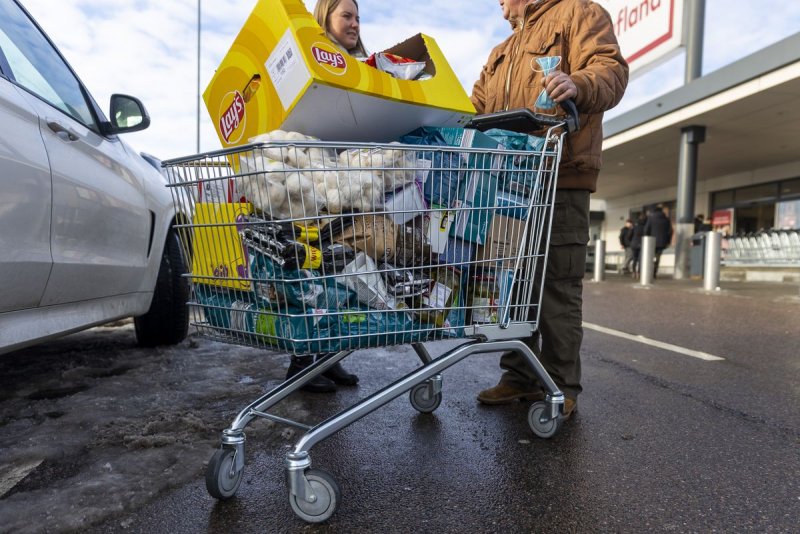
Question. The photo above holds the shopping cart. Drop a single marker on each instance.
(296, 246)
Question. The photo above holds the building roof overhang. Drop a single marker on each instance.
(751, 111)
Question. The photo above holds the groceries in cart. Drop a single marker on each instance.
(337, 239)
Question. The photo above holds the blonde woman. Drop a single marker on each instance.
(340, 20)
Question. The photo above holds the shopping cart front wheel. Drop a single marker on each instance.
(423, 399)
(543, 429)
(326, 497)
(222, 477)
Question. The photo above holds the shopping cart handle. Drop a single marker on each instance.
(524, 120)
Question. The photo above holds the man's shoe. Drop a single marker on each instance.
(340, 376)
(319, 384)
(570, 407)
(506, 393)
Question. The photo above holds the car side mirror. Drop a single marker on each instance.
(127, 114)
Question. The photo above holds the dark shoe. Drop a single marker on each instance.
(506, 393)
(340, 376)
(570, 407)
(318, 384)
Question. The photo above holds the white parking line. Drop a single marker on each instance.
(652, 342)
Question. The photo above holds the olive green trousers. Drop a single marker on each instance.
(560, 331)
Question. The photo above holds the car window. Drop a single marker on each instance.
(35, 65)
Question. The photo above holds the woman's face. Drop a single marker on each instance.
(512, 8)
(344, 24)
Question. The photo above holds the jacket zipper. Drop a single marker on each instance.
(514, 56)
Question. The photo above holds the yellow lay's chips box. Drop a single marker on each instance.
(218, 257)
(282, 72)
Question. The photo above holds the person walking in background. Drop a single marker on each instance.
(625, 238)
(594, 74)
(636, 243)
(660, 227)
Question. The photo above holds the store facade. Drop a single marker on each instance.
(748, 173)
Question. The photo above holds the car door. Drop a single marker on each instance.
(100, 223)
(25, 192)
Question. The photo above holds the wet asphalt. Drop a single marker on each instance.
(662, 441)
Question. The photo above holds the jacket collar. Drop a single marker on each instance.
(535, 9)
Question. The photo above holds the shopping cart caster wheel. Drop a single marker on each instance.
(542, 430)
(327, 494)
(222, 480)
(422, 400)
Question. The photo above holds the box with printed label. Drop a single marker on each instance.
(448, 168)
(513, 205)
(282, 72)
(475, 207)
(440, 219)
(218, 257)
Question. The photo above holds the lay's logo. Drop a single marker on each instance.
(232, 119)
(331, 59)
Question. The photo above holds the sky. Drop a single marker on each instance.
(148, 48)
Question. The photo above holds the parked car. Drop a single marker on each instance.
(86, 224)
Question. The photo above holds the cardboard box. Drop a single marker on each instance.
(512, 205)
(475, 207)
(458, 253)
(405, 204)
(218, 256)
(448, 167)
(440, 219)
(282, 72)
(502, 246)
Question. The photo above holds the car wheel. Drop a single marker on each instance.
(167, 320)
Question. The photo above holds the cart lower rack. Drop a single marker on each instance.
(316, 248)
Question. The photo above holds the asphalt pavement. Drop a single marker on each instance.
(689, 422)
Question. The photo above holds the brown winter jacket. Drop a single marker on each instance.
(581, 32)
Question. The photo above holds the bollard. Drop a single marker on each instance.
(599, 260)
(712, 260)
(647, 260)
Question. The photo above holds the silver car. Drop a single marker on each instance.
(86, 223)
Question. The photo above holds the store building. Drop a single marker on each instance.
(748, 171)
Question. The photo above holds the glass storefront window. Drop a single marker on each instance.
(756, 193)
(790, 189)
(787, 215)
(722, 199)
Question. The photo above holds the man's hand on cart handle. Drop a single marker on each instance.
(560, 86)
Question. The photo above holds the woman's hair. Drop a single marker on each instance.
(322, 12)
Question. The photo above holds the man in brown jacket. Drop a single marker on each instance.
(592, 73)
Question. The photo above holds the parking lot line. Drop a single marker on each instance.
(653, 343)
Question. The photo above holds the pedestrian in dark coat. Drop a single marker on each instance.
(636, 242)
(660, 227)
(625, 237)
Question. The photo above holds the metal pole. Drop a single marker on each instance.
(599, 260)
(198, 76)
(695, 18)
(712, 261)
(647, 260)
(691, 137)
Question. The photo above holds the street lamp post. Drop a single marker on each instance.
(198, 76)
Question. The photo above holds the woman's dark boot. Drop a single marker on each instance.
(340, 376)
(318, 384)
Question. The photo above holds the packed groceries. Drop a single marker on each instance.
(338, 247)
